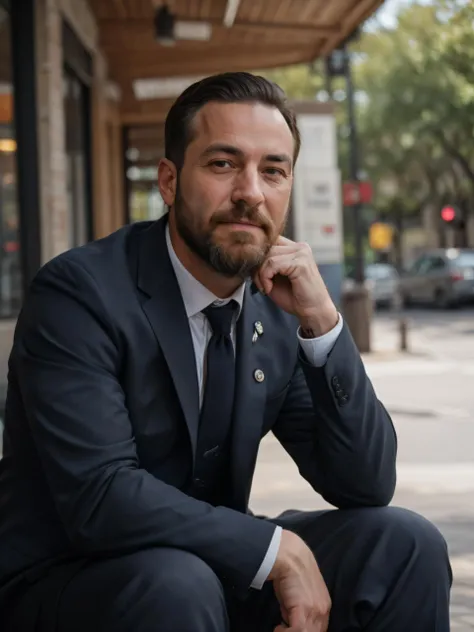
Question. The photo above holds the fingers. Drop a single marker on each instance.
(285, 241)
(321, 627)
(284, 264)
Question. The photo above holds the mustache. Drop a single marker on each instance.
(242, 212)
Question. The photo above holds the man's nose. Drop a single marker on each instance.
(248, 188)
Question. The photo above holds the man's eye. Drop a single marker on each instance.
(221, 164)
(273, 171)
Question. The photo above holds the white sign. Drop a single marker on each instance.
(318, 141)
(317, 212)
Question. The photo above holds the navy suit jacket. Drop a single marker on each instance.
(102, 418)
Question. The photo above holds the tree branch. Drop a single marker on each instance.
(456, 154)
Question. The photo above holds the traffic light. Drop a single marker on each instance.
(449, 214)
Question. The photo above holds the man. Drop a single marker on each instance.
(145, 370)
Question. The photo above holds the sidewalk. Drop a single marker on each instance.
(386, 341)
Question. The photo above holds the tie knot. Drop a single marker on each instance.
(220, 317)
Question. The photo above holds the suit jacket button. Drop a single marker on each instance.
(259, 375)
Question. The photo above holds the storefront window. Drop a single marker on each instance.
(144, 148)
(10, 266)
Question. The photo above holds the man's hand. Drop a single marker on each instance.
(290, 277)
(299, 586)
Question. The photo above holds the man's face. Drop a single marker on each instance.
(233, 192)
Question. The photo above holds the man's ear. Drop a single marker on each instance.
(167, 181)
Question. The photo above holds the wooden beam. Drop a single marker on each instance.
(146, 135)
(142, 118)
(145, 112)
(218, 60)
(145, 24)
(120, 7)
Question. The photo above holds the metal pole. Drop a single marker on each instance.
(328, 82)
(354, 169)
(25, 116)
(403, 330)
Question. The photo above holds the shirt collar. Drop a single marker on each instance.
(196, 297)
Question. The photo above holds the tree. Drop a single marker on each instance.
(418, 122)
(416, 117)
(299, 82)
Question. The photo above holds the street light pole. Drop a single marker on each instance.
(354, 169)
(328, 82)
(356, 303)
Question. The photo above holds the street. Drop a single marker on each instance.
(429, 393)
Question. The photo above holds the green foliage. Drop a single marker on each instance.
(299, 82)
(418, 122)
(416, 117)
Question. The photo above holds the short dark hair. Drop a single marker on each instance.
(229, 87)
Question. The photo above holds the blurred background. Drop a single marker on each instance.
(384, 188)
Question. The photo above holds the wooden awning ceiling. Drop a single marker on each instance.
(260, 34)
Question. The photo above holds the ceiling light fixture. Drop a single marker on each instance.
(168, 29)
(164, 26)
(230, 14)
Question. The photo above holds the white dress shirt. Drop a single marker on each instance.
(196, 298)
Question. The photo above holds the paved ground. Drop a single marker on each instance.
(430, 395)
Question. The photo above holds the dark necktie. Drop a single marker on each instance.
(216, 412)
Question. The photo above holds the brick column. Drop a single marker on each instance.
(55, 220)
(54, 206)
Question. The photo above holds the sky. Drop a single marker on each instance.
(387, 12)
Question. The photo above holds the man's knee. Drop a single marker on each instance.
(408, 533)
(170, 588)
(177, 578)
(188, 580)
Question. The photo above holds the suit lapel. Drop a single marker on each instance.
(166, 313)
(250, 396)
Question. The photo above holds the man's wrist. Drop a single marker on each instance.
(269, 561)
(287, 556)
(318, 324)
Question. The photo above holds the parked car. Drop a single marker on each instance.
(442, 277)
(382, 281)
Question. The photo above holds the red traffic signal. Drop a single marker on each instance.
(448, 213)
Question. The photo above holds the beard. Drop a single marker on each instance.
(242, 255)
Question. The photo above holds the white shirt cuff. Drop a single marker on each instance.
(268, 561)
(317, 350)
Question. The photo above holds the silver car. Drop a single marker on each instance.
(382, 280)
(444, 278)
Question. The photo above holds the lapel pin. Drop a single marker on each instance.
(257, 331)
